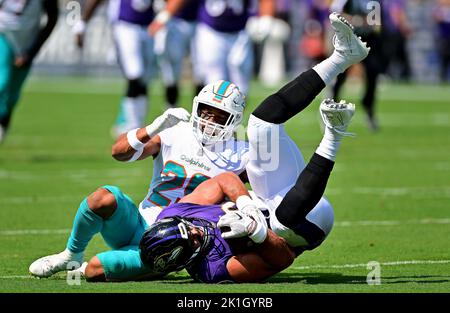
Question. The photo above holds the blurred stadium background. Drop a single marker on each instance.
(60, 55)
(390, 189)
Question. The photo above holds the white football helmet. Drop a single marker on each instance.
(222, 95)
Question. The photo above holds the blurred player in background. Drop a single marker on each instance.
(185, 154)
(396, 30)
(174, 40)
(313, 43)
(356, 11)
(21, 37)
(441, 16)
(134, 48)
(224, 49)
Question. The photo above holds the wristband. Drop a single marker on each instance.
(134, 142)
(247, 205)
(163, 17)
(259, 234)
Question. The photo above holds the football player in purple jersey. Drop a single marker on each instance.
(223, 48)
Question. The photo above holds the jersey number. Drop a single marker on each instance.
(178, 174)
(217, 7)
(141, 5)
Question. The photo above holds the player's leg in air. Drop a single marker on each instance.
(275, 161)
(113, 214)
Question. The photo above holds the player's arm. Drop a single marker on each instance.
(267, 7)
(270, 257)
(123, 151)
(141, 143)
(51, 10)
(80, 28)
(215, 190)
(161, 19)
(90, 8)
(259, 27)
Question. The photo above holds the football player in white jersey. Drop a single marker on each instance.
(134, 49)
(185, 154)
(21, 38)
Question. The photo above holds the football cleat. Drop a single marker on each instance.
(352, 49)
(337, 116)
(52, 264)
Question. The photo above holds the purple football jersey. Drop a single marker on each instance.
(189, 11)
(224, 16)
(136, 12)
(211, 268)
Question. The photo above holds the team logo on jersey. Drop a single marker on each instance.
(195, 162)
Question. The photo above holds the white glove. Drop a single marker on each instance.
(259, 27)
(168, 119)
(250, 207)
(242, 225)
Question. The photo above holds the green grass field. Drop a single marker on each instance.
(390, 190)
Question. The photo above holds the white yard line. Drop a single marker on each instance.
(19, 232)
(325, 266)
(435, 221)
(392, 223)
(16, 277)
(423, 192)
(393, 263)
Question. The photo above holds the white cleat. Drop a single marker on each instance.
(52, 264)
(337, 116)
(345, 41)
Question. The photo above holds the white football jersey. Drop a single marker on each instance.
(20, 21)
(182, 165)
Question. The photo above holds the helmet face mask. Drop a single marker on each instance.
(169, 245)
(211, 131)
(223, 99)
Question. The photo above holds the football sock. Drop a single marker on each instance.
(331, 67)
(306, 193)
(85, 225)
(172, 93)
(134, 111)
(329, 145)
(291, 99)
